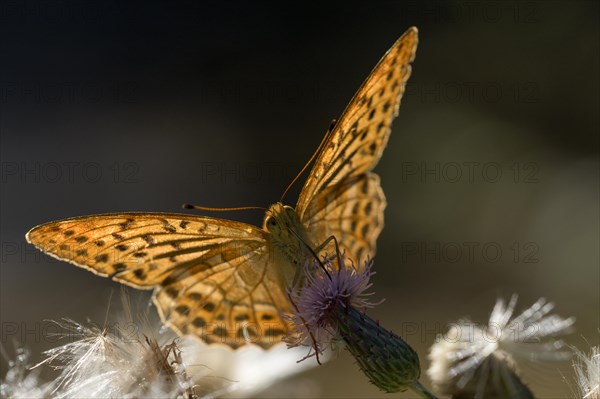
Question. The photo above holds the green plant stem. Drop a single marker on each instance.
(421, 390)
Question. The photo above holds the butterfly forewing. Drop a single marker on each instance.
(329, 203)
(358, 139)
(209, 271)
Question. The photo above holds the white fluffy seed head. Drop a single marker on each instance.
(470, 357)
(587, 373)
(99, 363)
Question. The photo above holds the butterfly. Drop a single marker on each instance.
(225, 281)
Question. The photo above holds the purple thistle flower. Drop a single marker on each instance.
(330, 308)
(323, 293)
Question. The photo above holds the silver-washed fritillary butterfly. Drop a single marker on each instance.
(226, 281)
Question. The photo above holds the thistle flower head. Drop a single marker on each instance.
(481, 360)
(316, 302)
(327, 310)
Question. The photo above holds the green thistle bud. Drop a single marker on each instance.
(385, 358)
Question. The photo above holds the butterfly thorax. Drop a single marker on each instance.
(288, 235)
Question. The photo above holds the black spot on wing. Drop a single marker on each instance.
(182, 310)
(140, 274)
(242, 317)
(220, 332)
(148, 238)
(368, 208)
(365, 230)
(371, 114)
(169, 229)
(126, 225)
(386, 106)
(172, 292)
(119, 267)
(194, 296)
(102, 258)
(372, 148)
(199, 322)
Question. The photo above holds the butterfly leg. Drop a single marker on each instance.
(314, 252)
(337, 247)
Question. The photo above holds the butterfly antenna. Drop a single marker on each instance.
(314, 155)
(210, 209)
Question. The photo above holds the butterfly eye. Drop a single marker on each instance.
(270, 222)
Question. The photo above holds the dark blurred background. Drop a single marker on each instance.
(491, 172)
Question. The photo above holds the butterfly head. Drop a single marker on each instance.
(280, 218)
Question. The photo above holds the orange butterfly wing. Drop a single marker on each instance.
(342, 197)
(214, 277)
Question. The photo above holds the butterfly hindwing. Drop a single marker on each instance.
(352, 211)
(228, 306)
